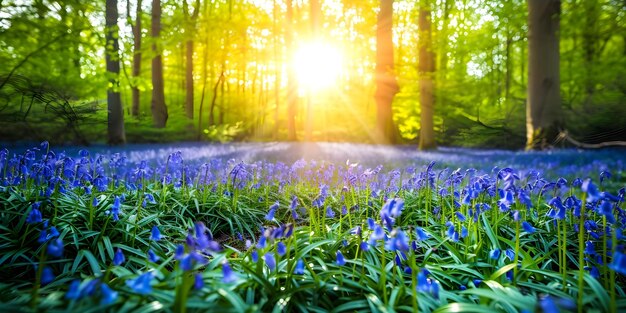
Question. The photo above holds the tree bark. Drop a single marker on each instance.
(386, 83)
(191, 27)
(543, 108)
(292, 87)
(115, 125)
(426, 71)
(136, 61)
(159, 109)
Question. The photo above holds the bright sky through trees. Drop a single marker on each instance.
(317, 65)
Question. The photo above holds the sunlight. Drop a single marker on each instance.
(317, 65)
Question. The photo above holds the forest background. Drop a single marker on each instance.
(78, 71)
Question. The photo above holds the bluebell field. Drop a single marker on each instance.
(255, 227)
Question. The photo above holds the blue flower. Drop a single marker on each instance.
(108, 295)
(152, 256)
(228, 274)
(509, 253)
(548, 306)
(619, 263)
(605, 208)
(118, 258)
(494, 254)
(254, 255)
(55, 248)
(74, 292)
(460, 216)
(340, 259)
(198, 282)
(141, 284)
(589, 248)
(299, 270)
(527, 227)
(591, 190)
(47, 276)
(272, 211)
(34, 216)
(281, 249)
(329, 212)
(399, 242)
(270, 260)
(421, 234)
(155, 234)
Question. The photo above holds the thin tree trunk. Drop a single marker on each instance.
(115, 125)
(386, 83)
(426, 71)
(277, 71)
(136, 72)
(159, 109)
(292, 87)
(191, 28)
(543, 109)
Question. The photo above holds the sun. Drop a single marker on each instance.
(317, 65)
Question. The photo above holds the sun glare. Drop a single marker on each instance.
(317, 65)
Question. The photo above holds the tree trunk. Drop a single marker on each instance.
(136, 60)
(543, 109)
(386, 84)
(292, 87)
(159, 109)
(426, 71)
(115, 125)
(191, 28)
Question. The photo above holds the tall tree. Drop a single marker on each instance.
(115, 125)
(190, 29)
(136, 28)
(386, 83)
(426, 71)
(159, 109)
(544, 116)
(292, 87)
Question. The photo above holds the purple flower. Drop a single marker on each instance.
(118, 258)
(329, 212)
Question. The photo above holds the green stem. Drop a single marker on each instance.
(516, 258)
(581, 255)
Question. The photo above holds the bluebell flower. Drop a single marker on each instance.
(118, 258)
(272, 211)
(477, 282)
(516, 215)
(364, 246)
(262, 242)
(299, 270)
(591, 190)
(548, 305)
(281, 249)
(464, 232)
(228, 275)
(399, 242)
(605, 208)
(108, 295)
(155, 234)
(527, 227)
(329, 212)
(152, 257)
(95, 202)
(589, 248)
(524, 199)
(509, 253)
(198, 282)
(370, 223)
(115, 208)
(141, 284)
(34, 216)
(421, 234)
(47, 276)
(460, 216)
(594, 272)
(73, 292)
(340, 258)
(270, 260)
(254, 255)
(378, 233)
(55, 248)
(356, 231)
(494, 254)
(619, 263)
